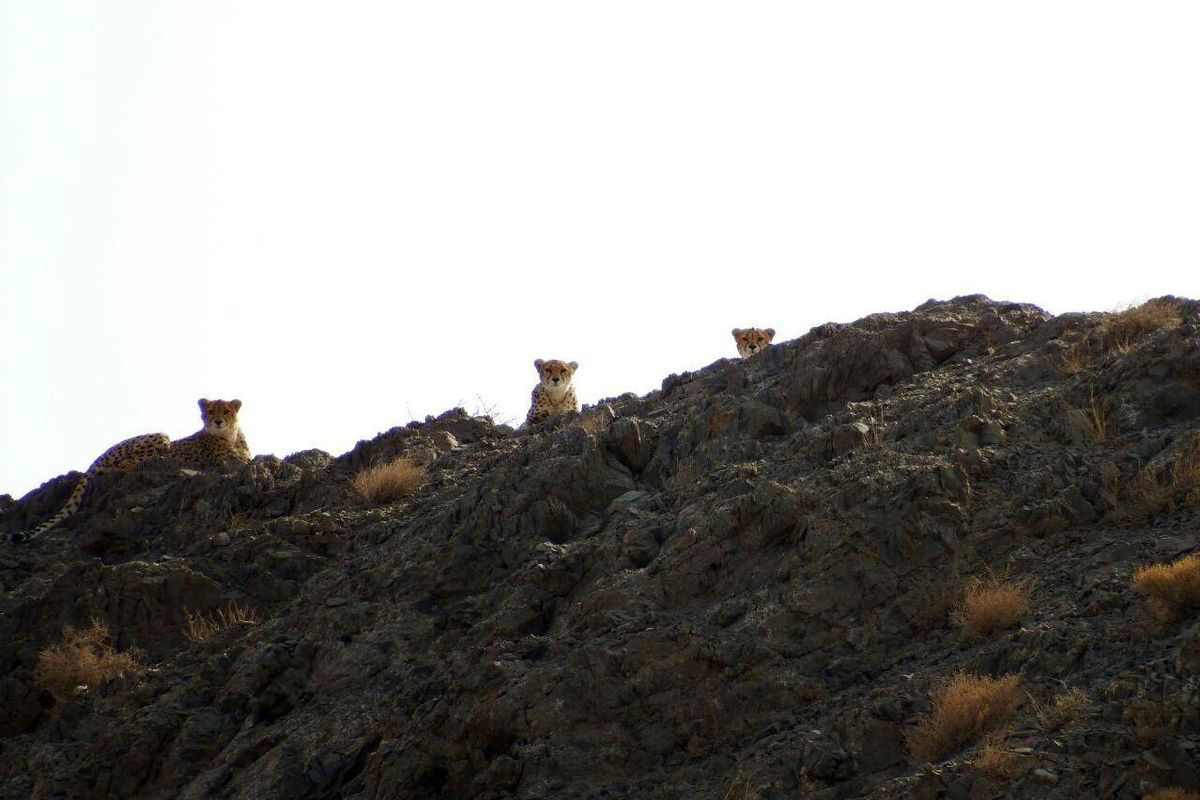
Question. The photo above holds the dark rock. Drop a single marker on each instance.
(743, 583)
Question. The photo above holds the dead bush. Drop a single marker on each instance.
(1152, 492)
(741, 789)
(85, 658)
(996, 760)
(1062, 711)
(1173, 588)
(1149, 721)
(389, 482)
(991, 604)
(1172, 794)
(1126, 326)
(964, 707)
(1075, 357)
(201, 627)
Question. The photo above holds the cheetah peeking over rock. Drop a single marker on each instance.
(752, 340)
(219, 441)
(554, 394)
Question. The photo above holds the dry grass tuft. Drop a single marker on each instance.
(996, 760)
(1172, 794)
(1076, 357)
(1149, 721)
(85, 658)
(741, 789)
(1150, 493)
(201, 627)
(991, 604)
(1173, 588)
(1097, 419)
(1062, 712)
(964, 707)
(1126, 326)
(388, 482)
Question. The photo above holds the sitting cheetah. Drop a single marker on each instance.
(219, 440)
(554, 394)
(752, 340)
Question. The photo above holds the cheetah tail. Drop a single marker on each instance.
(70, 507)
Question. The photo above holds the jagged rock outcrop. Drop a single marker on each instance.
(744, 579)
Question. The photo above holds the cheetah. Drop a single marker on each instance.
(554, 393)
(221, 439)
(752, 340)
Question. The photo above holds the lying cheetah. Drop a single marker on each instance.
(752, 340)
(554, 394)
(218, 441)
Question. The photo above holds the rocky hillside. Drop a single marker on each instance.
(748, 584)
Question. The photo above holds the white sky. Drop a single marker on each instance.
(350, 214)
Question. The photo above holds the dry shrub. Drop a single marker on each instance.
(1097, 419)
(201, 627)
(1173, 588)
(1075, 357)
(1126, 326)
(1172, 794)
(996, 760)
(85, 658)
(964, 707)
(1062, 711)
(1150, 722)
(388, 482)
(991, 604)
(1144, 496)
(741, 789)
(1150, 493)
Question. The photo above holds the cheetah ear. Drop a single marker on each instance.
(770, 334)
(237, 404)
(574, 365)
(537, 364)
(203, 404)
(737, 332)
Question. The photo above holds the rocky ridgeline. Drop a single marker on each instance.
(741, 585)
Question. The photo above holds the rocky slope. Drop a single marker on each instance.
(741, 585)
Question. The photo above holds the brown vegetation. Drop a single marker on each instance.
(388, 482)
(1062, 711)
(1172, 794)
(201, 627)
(1173, 588)
(741, 789)
(1126, 326)
(964, 707)
(84, 659)
(1151, 492)
(996, 760)
(1076, 356)
(991, 604)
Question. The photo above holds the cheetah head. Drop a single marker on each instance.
(752, 340)
(220, 417)
(555, 374)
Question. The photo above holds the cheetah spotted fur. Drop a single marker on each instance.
(752, 340)
(554, 393)
(220, 440)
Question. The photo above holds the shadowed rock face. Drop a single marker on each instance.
(743, 581)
